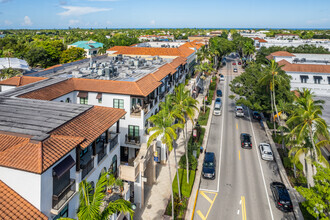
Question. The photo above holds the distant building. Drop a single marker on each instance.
(253, 35)
(156, 37)
(2, 35)
(287, 36)
(91, 47)
(201, 38)
(258, 42)
(216, 33)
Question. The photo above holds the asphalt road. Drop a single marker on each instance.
(241, 187)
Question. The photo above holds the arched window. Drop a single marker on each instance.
(113, 166)
(68, 100)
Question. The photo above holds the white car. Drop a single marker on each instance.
(222, 78)
(266, 151)
(239, 112)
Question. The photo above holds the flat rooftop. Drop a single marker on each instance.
(119, 68)
(36, 118)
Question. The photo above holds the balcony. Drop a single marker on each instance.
(60, 200)
(132, 140)
(113, 139)
(129, 172)
(86, 167)
(101, 154)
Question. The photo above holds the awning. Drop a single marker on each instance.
(318, 77)
(99, 95)
(63, 167)
(304, 76)
(82, 94)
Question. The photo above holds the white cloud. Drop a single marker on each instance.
(3, 1)
(27, 21)
(77, 10)
(8, 22)
(73, 22)
(152, 22)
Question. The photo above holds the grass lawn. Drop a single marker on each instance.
(185, 187)
(203, 117)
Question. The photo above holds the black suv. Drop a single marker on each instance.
(219, 93)
(246, 141)
(209, 166)
(281, 197)
(256, 115)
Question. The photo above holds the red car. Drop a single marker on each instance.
(239, 63)
(234, 63)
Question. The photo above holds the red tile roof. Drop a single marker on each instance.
(14, 206)
(25, 154)
(260, 40)
(21, 80)
(91, 124)
(282, 54)
(305, 68)
(194, 44)
(152, 51)
(141, 87)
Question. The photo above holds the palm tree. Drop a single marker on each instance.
(271, 78)
(202, 54)
(165, 129)
(248, 49)
(8, 73)
(307, 126)
(204, 68)
(184, 103)
(91, 203)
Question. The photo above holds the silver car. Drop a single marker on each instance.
(266, 151)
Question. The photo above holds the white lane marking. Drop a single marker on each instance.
(208, 190)
(223, 118)
(237, 212)
(262, 172)
(240, 202)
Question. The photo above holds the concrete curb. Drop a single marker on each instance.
(193, 199)
(296, 210)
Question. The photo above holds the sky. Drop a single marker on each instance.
(40, 14)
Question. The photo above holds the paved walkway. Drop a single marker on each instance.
(158, 195)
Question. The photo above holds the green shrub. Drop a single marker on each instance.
(203, 117)
(306, 214)
(287, 163)
(185, 187)
(186, 82)
(179, 207)
(192, 162)
(299, 166)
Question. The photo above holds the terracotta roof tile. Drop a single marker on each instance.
(307, 68)
(194, 44)
(260, 40)
(282, 54)
(91, 124)
(163, 71)
(152, 51)
(13, 206)
(21, 80)
(52, 67)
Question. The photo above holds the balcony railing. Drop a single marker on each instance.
(101, 154)
(113, 141)
(132, 140)
(129, 172)
(62, 198)
(86, 168)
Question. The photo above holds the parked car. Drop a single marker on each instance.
(246, 141)
(281, 197)
(222, 77)
(219, 93)
(217, 108)
(217, 100)
(234, 63)
(266, 151)
(239, 112)
(239, 63)
(256, 115)
(208, 171)
(235, 70)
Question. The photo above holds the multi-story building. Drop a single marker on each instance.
(136, 85)
(287, 36)
(48, 148)
(156, 37)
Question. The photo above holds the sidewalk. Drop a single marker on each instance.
(158, 195)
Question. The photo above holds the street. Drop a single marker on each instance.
(241, 187)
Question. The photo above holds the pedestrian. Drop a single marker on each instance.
(201, 149)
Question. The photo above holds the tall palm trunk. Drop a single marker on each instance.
(177, 173)
(169, 169)
(272, 105)
(186, 148)
(277, 116)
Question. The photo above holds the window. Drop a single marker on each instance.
(84, 101)
(63, 214)
(133, 131)
(328, 80)
(118, 103)
(100, 100)
(317, 79)
(68, 100)
(84, 151)
(303, 78)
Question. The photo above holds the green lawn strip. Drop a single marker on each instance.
(203, 117)
(185, 187)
